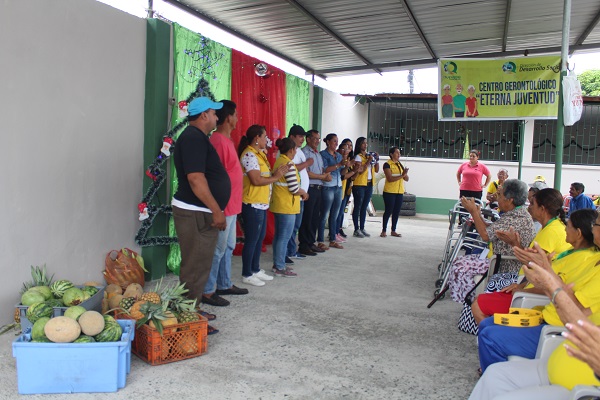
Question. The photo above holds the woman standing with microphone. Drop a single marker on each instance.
(367, 165)
(393, 190)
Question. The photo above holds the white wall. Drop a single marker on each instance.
(72, 76)
(436, 178)
(343, 116)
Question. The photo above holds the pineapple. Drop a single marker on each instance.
(157, 316)
(135, 312)
(188, 345)
(17, 316)
(173, 296)
(187, 316)
(39, 278)
(154, 296)
(151, 297)
(126, 303)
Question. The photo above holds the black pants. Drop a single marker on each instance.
(471, 193)
(311, 217)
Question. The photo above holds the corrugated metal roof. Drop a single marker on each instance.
(332, 37)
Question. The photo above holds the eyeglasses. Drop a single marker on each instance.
(595, 224)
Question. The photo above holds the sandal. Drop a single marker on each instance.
(383, 234)
(211, 330)
(396, 234)
(336, 245)
(207, 315)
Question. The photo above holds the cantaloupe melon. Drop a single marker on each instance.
(62, 329)
(91, 322)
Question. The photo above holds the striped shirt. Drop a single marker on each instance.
(292, 181)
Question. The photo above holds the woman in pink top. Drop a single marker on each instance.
(469, 176)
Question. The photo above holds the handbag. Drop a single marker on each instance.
(466, 321)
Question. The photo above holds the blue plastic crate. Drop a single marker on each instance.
(73, 367)
(93, 303)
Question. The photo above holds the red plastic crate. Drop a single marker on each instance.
(178, 342)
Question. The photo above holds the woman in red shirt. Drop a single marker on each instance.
(469, 176)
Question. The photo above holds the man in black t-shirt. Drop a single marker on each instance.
(202, 194)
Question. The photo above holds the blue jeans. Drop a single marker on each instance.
(220, 270)
(284, 225)
(292, 247)
(393, 204)
(331, 198)
(340, 218)
(362, 197)
(255, 228)
(497, 342)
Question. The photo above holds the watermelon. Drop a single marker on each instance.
(37, 311)
(112, 332)
(31, 297)
(84, 339)
(72, 297)
(44, 290)
(42, 340)
(74, 312)
(90, 290)
(55, 303)
(109, 320)
(59, 287)
(37, 331)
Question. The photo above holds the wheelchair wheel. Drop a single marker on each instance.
(438, 283)
(437, 292)
(439, 266)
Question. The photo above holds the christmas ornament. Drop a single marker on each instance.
(143, 209)
(261, 69)
(167, 142)
(183, 106)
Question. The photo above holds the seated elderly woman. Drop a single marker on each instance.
(577, 362)
(512, 195)
(580, 273)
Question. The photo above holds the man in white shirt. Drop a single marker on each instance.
(297, 134)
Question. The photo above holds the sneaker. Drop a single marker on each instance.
(263, 276)
(340, 239)
(342, 234)
(252, 280)
(286, 273)
(298, 256)
(358, 234)
(365, 233)
(288, 260)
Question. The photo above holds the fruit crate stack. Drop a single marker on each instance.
(168, 327)
(73, 367)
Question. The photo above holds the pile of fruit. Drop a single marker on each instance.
(165, 306)
(78, 325)
(41, 292)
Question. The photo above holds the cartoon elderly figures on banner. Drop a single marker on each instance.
(143, 209)
(447, 100)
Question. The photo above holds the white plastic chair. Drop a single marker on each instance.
(528, 300)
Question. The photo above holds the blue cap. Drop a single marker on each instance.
(201, 104)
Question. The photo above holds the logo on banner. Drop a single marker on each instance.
(509, 68)
(450, 68)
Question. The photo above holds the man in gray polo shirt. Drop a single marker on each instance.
(311, 216)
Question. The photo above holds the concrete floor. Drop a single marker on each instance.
(354, 325)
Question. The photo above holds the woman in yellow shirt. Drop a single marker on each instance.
(255, 201)
(367, 165)
(285, 204)
(393, 190)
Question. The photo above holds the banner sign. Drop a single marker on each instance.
(498, 88)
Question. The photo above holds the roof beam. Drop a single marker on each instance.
(417, 27)
(429, 62)
(506, 24)
(248, 39)
(328, 31)
(587, 31)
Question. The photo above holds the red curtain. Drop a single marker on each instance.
(260, 101)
